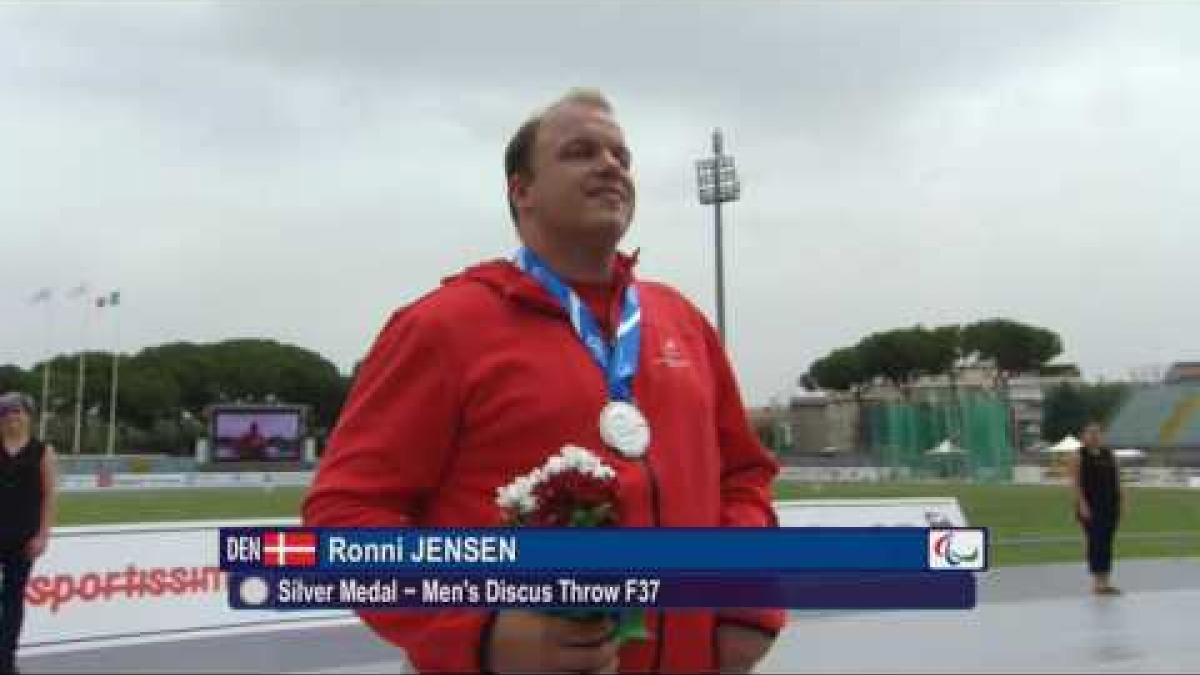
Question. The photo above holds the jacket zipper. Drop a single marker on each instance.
(656, 512)
(656, 515)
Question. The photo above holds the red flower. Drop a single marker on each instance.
(572, 489)
(571, 498)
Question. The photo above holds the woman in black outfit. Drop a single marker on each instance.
(1096, 479)
(27, 487)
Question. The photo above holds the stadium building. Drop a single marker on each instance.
(1163, 419)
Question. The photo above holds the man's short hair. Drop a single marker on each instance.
(518, 153)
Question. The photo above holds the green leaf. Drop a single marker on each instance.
(632, 626)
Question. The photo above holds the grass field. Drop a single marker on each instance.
(1158, 522)
(96, 508)
(1029, 524)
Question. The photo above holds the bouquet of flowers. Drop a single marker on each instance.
(571, 489)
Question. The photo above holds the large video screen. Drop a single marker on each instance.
(257, 434)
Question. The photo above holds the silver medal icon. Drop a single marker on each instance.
(254, 591)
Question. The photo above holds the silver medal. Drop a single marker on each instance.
(624, 428)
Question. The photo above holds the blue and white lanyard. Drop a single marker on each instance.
(618, 361)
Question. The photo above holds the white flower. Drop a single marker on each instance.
(573, 454)
(511, 495)
(554, 466)
(518, 494)
(522, 486)
(506, 497)
(604, 472)
(588, 465)
(579, 459)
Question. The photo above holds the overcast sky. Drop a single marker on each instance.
(296, 171)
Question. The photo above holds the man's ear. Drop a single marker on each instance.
(518, 190)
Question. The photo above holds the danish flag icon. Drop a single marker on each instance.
(288, 549)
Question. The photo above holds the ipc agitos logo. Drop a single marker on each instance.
(957, 550)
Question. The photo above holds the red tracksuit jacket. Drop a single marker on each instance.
(483, 379)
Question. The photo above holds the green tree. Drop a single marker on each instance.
(841, 370)
(1064, 411)
(259, 370)
(902, 355)
(146, 393)
(14, 378)
(250, 371)
(1104, 399)
(1013, 347)
(63, 393)
(1068, 407)
(191, 366)
(163, 390)
(943, 350)
(899, 356)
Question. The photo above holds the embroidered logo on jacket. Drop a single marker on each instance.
(671, 356)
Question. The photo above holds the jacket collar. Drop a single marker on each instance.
(505, 278)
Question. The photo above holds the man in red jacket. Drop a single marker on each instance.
(481, 380)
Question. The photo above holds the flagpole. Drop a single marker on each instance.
(79, 400)
(112, 404)
(45, 390)
(45, 416)
(79, 386)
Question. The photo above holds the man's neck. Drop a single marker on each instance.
(577, 264)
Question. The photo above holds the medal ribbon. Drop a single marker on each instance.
(618, 361)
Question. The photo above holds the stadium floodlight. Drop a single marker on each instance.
(717, 183)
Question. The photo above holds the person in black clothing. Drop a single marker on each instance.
(28, 476)
(1096, 480)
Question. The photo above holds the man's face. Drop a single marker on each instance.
(1092, 437)
(581, 183)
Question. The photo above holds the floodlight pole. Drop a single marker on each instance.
(717, 182)
(719, 242)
